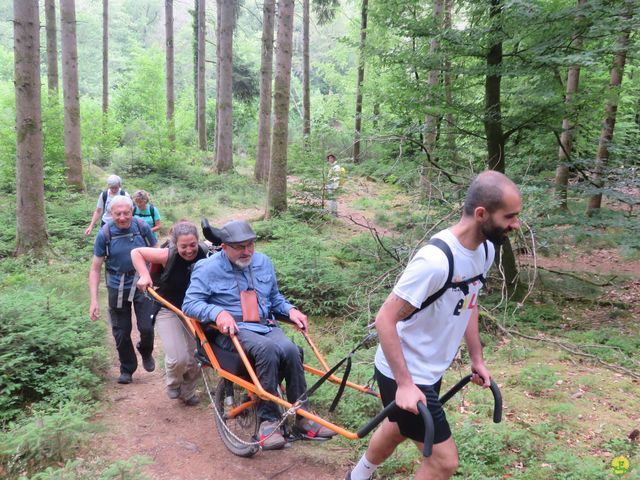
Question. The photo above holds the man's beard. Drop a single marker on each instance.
(495, 235)
(242, 263)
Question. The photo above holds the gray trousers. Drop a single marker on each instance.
(274, 357)
(178, 344)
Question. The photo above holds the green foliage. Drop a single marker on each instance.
(48, 350)
(82, 469)
(569, 466)
(486, 452)
(306, 273)
(7, 137)
(537, 378)
(43, 440)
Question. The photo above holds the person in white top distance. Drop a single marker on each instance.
(419, 336)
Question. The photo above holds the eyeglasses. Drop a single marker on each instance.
(240, 247)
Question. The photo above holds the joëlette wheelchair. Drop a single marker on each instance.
(234, 394)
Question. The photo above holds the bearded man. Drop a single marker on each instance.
(236, 289)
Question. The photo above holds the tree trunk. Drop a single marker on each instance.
(363, 41)
(306, 101)
(568, 124)
(195, 63)
(263, 152)
(52, 47)
(611, 109)
(431, 120)
(168, 28)
(31, 234)
(277, 190)
(71, 95)
(105, 56)
(217, 111)
(492, 108)
(448, 92)
(202, 98)
(224, 148)
(495, 136)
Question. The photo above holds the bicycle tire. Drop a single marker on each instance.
(239, 433)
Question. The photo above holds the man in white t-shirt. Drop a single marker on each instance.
(102, 211)
(419, 336)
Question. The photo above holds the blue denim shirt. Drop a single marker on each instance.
(214, 288)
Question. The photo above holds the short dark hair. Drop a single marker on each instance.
(180, 228)
(331, 155)
(486, 190)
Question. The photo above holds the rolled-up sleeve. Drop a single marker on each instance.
(197, 302)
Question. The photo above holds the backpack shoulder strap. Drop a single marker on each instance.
(106, 232)
(171, 260)
(442, 245)
(151, 212)
(141, 224)
(104, 198)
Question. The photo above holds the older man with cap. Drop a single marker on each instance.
(236, 289)
(102, 211)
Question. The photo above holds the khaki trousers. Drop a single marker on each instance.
(179, 346)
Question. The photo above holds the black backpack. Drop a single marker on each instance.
(106, 231)
(463, 285)
(136, 213)
(160, 274)
(105, 193)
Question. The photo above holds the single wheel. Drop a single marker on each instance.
(236, 418)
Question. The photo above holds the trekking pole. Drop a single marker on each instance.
(426, 418)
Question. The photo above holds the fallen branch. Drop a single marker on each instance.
(569, 347)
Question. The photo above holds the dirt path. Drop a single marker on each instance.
(182, 442)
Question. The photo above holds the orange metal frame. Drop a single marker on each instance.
(254, 386)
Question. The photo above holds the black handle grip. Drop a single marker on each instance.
(497, 396)
(426, 418)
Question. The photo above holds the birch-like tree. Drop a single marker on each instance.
(568, 122)
(611, 109)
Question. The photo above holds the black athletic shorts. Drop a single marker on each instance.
(411, 425)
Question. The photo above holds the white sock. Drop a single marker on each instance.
(363, 470)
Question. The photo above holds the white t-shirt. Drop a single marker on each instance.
(430, 337)
(106, 214)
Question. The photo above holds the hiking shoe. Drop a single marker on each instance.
(270, 436)
(148, 363)
(173, 393)
(125, 378)
(310, 429)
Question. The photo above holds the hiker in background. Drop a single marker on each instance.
(421, 323)
(102, 211)
(172, 279)
(113, 246)
(146, 211)
(335, 180)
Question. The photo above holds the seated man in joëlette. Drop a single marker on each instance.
(236, 289)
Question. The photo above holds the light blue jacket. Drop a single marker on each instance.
(215, 287)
